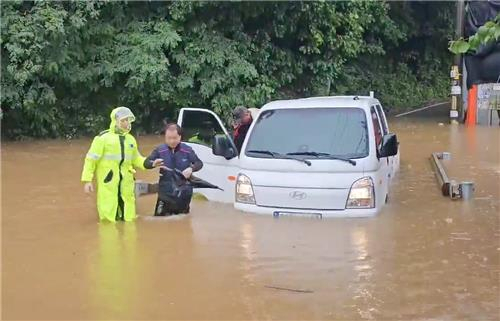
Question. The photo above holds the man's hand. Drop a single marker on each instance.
(88, 187)
(187, 172)
(157, 162)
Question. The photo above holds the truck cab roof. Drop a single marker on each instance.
(323, 102)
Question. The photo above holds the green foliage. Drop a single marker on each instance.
(488, 33)
(65, 65)
(414, 67)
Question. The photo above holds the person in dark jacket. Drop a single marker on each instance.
(242, 119)
(179, 162)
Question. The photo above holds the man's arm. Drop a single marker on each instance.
(149, 161)
(196, 163)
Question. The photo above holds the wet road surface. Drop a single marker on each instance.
(425, 257)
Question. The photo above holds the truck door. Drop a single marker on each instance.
(385, 174)
(200, 126)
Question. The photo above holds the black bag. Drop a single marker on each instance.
(175, 190)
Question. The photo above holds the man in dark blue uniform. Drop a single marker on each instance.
(179, 162)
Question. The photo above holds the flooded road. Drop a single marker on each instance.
(424, 257)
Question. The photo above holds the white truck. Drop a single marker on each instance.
(319, 157)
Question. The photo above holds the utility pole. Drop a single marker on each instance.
(459, 26)
(455, 73)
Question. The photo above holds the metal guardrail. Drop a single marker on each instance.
(450, 187)
(145, 188)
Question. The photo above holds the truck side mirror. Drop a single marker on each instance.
(221, 146)
(389, 145)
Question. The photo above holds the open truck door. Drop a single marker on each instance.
(204, 131)
(393, 160)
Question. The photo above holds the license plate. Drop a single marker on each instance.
(300, 214)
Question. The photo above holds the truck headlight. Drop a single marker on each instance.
(244, 190)
(362, 194)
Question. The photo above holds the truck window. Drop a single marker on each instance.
(200, 128)
(336, 131)
(383, 120)
(376, 127)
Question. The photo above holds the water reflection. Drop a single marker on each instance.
(358, 240)
(471, 140)
(363, 285)
(114, 271)
(247, 244)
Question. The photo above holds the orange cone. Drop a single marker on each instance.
(472, 106)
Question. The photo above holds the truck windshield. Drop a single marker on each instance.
(311, 132)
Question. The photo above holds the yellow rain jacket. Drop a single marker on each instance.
(112, 157)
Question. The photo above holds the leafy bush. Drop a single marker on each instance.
(65, 65)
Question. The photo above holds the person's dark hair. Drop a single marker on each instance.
(173, 126)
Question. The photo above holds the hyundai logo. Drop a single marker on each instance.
(298, 195)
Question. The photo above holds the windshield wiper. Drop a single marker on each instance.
(267, 152)
(278, 155)
(325, 155)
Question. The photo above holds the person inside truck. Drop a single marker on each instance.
(242, 119)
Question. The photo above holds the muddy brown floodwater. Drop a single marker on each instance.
(424, 257)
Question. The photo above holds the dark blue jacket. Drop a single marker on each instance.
(178, 159)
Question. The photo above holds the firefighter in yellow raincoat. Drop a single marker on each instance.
(113, 156)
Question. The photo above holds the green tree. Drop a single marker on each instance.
(66, 64)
